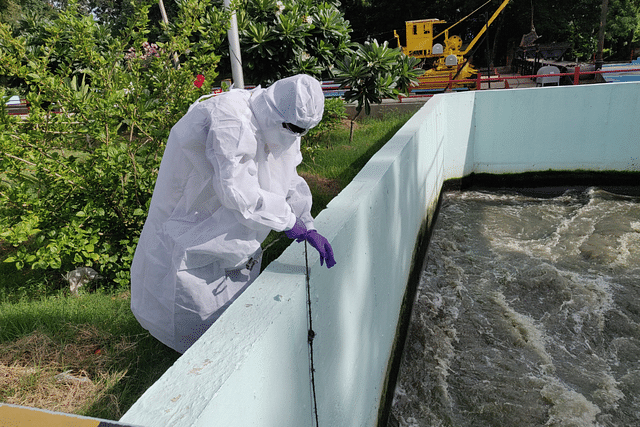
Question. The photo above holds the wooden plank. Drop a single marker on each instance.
(20, 416)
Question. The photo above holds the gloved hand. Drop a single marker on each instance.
(298, 232)
(322, 245)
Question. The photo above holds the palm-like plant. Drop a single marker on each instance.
(285, 37)
(373, 72)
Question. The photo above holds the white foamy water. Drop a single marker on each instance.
(527, 314)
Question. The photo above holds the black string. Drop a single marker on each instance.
(310, 336)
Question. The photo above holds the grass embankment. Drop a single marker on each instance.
(87, 354)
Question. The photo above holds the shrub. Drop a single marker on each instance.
(78, 172)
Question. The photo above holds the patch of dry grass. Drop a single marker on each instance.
(38, 372)
(83, 354)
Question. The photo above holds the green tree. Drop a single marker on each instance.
(623, 28)
(13, 11)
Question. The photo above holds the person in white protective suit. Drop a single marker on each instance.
(227, 178)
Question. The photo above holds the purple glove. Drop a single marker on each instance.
(322, 245)
(298, 232)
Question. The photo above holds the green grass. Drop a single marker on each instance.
(44, 330)
(340, 159)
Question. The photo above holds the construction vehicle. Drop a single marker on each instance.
(444, 60)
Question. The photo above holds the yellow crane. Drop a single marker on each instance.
(447, 58)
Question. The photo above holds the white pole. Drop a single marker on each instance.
(163, 12)
(234, 50)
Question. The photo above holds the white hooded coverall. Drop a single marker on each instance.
(227, 178)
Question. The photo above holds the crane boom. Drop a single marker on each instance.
(463, 19)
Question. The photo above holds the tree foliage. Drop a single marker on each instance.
(623, 27)
(13, 11)
(280, 38)
(77, 174)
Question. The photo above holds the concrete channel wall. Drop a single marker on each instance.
(565, 128)
(252, 367)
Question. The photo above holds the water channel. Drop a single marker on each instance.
(527, 313)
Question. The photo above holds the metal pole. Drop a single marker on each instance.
(234, 50)
(163, 12)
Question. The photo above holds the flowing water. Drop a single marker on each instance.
(527, 314)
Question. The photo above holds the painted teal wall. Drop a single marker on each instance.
(251, 367)
(592, 127)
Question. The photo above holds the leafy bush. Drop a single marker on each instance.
(77, 174)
